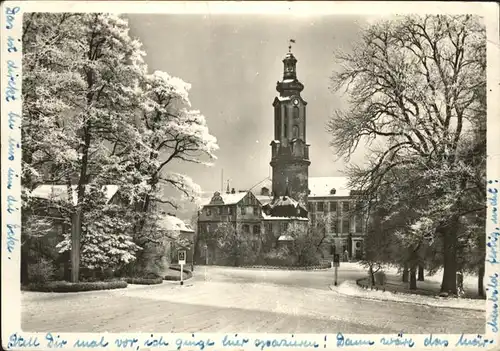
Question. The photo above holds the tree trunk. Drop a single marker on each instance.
(413, 278)
(76, 231)
(449, 282)
(372, 275)
(420, 273)
(405, 274)
(480, 286)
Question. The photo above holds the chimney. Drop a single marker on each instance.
(233, 191)
(264, 191)
(171, 214)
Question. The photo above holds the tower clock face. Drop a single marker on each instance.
(295, 102)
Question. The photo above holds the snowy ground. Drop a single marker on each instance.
(431, 283)
(350, 288)
(237, 300)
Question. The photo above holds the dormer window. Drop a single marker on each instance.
(208, 212)
(333, 191)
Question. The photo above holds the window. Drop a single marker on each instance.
(284, 226)
(269, 227)
(230, 210)
(345, 207)
(333, 206)
(295, 132)
(285, 130)
(320, 207)
(333, 226)
(208, 212)
(359, 224)
(256, 229)
(313, 220)
(256, 211)
(246, 228)
(312, 207)
(345, 226)
(219, 210)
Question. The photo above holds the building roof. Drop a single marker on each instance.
(285, 238)
(60, 192)
(285, 206)
(322, 186)
(228, 199)
(264, 199)
(172, 223)
(267, 217)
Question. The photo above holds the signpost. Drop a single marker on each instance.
(336, 264)
(181, 258)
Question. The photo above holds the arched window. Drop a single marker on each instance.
(295, 112)
(285, 130)
(295, 132)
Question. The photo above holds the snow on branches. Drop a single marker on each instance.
(94, 116)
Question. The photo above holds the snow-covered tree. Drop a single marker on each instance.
(235, 245)
(107, 234)
(82, 92)
(170, 133)
(416, 90)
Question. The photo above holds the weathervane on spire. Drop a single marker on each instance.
(290, 45)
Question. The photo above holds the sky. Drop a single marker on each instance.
(233, 63)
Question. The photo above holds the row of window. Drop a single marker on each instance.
(331, 206)
(340, 226)
(207, 227)
(227, 210)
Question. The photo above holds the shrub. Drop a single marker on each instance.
(144, 281)
(380, 278)
(278, 257)
(62, 286)
(41, 272)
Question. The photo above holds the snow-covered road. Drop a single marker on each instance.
(221, 299)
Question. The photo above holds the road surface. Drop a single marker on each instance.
(220, 299)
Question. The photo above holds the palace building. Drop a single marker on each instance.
(290, 196)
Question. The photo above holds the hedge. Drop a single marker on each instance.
(291, 268)
(144, 281)
(63, 286)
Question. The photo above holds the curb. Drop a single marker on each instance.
(332, 288)
(310, 268)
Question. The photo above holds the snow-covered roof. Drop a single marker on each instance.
(285, 201)
(267, 217)
(322, 186)
(60, 192)
(172, 223)
(284, 98)
(264, 199)
(228, 199)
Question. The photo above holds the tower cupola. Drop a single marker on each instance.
(290, 85)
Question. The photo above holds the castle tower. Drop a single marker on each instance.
(289, 150)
